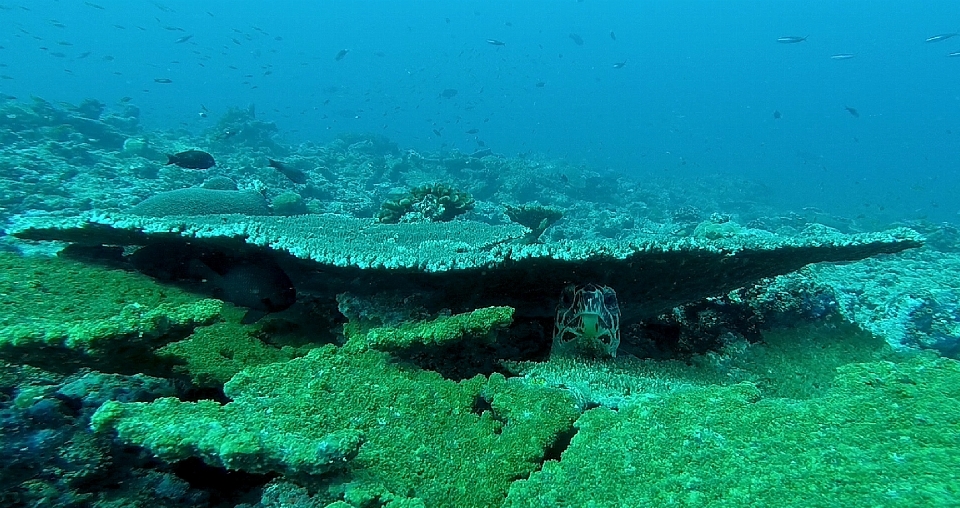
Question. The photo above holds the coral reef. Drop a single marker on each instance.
(431, 203)
(331, 409)
(481, 265)
(749, 372)
(872, 438)
(201, 201)
(55, 319)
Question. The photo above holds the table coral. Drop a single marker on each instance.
(55, 319)
(403, 431)
(885, 435)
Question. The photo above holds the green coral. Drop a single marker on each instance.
(433, 203)
(419, 435)
(885, 435)
(480, 324)
(55, 319)
(214, 354)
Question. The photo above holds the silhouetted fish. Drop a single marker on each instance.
(941, 37)
(449, 93)
(192, 159)
(852, 111)
(495, 42)
(162, 80)
(777, 115)
(619, 65)
(576, 39)
(792, 39)
(340, 54)
(295, 175)
(613, 35)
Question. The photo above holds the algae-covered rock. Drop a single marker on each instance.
(61, 315)
(404, 431)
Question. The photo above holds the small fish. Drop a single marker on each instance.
(619, 65)
(125, 100)
(449, 93)
(792, 39)
(954, 54)
(473, 131)
(437, 132)
(576, 39)
(183, 39)
(540, 84)
(495, 42)
(295, 175)
(83, 55)
(340, 54)
(192, 159)
(852, 111)
(941, 37)
(613, 35)
(64, 43)
(107, 58)
(95, 6)
(777, 115)
(162, 80)
(842, 56)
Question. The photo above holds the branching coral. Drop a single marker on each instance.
(428, 203)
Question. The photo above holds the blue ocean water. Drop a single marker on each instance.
(715, 135)
(697, 95)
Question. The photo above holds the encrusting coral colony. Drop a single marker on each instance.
(464, 330)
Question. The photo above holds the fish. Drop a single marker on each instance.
(162, 80)
(619, 65)
(449, 93)
(941, 37)
(95, 6)
(954, 54)
(576, 39)
(852, 111)
(473, 131)
(293, 174)
(192, 159)
(495, 42)
(540, 84)
(340, 54)
(84, 55)
(792, 39)
(183, 39)
(777, 115)
(437, 132)
(259, 284)
(842, 56)
(613, 35)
